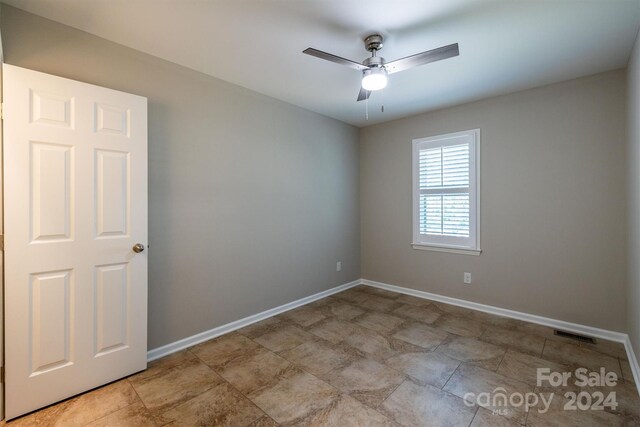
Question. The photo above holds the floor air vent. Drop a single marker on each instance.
(573, 336)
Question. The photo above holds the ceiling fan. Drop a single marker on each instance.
(375, 69)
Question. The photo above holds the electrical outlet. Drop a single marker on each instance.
(339, 266)
(467, 278)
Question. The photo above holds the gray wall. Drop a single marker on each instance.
(553, 201)
(251, 200)
(633, 123)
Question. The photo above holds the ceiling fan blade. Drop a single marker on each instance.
(364, 94)
(433, 55)
(333, 58)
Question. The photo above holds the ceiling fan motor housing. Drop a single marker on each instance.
(374, 61)
(373, 42)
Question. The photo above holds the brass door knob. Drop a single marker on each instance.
(138, 247)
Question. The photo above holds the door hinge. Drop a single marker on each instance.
(1, 242)
(2, 375)
(1, 110)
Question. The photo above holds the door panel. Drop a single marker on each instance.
(112, 120)
(52, 109)
(51, 191)
(75, 169)
(112, 193)
(112, 308)
(51, 326)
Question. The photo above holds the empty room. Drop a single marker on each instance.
(320, 213)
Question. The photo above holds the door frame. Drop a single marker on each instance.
(1, 241)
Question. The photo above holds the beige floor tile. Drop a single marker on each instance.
(520, 341)
(543, 331)
(524, 367)
(492, 320)
(254, 370)
(559, 390)
(317, 358)
(472, 350)
(627, 373)
(426, 368)
(160, 365)
(347, 412)
(219, 406)
(378, 303)
(333, 330)
(476, 380)
(320, 303)
(411, 300)
(422, 314)
(220, 351)
(379, 322)
(175, 385)
(294, 397)
(486, 418)
(83, 409)
(260, 328)
(342, 310)
(610, 348)
(421, 335)
(460, 325)
(353, 295)
(413, 405)
(370, 343)
(570, 354)
(133, 415)
(265, 421)
(381, 292)
(304, 316)
(454, 309)
(366, 380)
(284, 338)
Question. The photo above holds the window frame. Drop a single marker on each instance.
(469, 245)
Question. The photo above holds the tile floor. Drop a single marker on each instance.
(363, 357)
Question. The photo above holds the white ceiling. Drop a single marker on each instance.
(505, 45)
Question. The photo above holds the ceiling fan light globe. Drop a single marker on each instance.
(374, 78)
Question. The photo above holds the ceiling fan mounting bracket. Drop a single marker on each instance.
(373, 42)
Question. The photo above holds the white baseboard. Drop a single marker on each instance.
(553, 323)
(173, 347)
(540, 320)
(633, 362)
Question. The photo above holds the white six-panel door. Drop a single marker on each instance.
(75, 178)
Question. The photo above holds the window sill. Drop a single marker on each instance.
(474, 252)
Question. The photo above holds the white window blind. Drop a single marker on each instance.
(445, 195)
